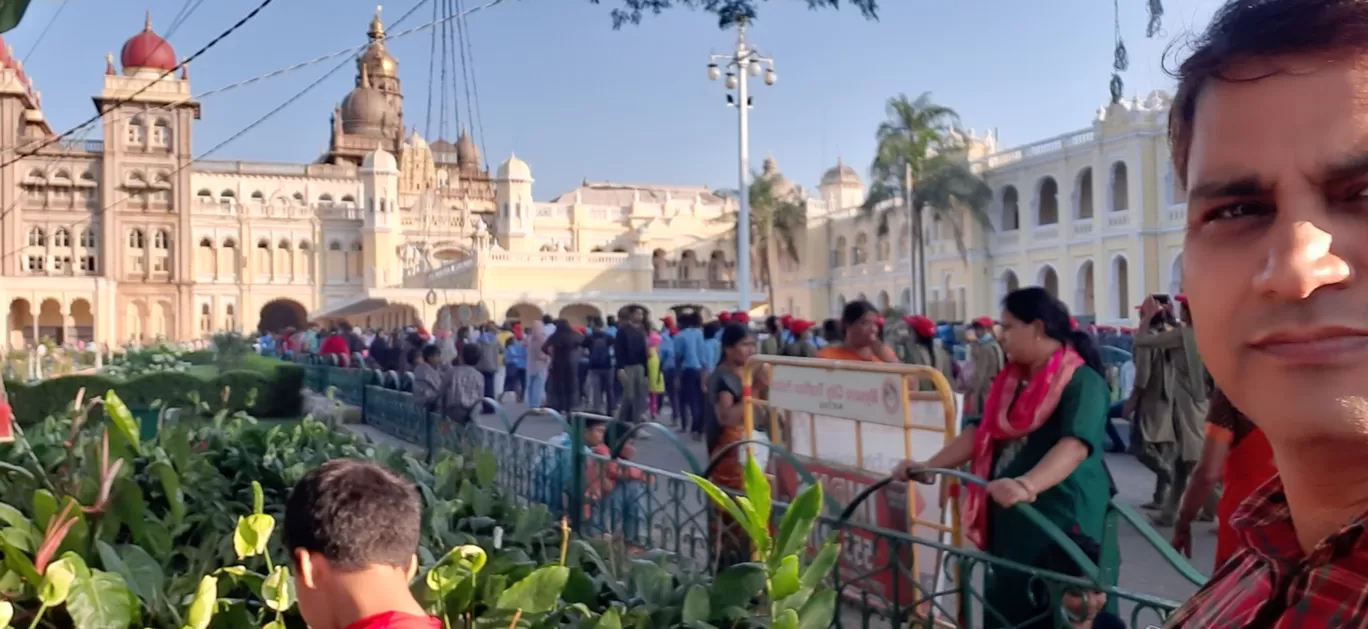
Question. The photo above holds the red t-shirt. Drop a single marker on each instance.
(396, 620)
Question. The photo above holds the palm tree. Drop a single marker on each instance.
(778, 212)
(918, 145)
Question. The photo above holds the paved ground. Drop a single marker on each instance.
(1143, 570)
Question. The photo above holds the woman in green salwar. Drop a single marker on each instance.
(1040, 441)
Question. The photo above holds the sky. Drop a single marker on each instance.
(578, 100)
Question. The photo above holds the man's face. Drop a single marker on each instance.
(593, 435)
(1277, 229)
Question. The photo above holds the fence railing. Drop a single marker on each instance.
(604, 495)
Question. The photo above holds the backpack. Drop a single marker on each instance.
(599, 355)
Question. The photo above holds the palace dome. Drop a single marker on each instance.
(514, 169)
(148, 50)
(380, 160)
(466, 153)
(366, 111)
(841, 174)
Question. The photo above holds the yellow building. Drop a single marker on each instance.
(1095, 216)
(129, 237)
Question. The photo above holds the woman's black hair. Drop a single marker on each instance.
(732, 334)
(1034, 303)
(772, 324)
(471, 354)
(710, 328)
(856, 310)
(831, 330)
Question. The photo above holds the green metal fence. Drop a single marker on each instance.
(639, 508)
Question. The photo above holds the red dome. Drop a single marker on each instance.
(148, 50)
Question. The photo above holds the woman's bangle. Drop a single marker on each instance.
(1028, 486)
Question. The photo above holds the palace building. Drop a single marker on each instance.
(128, 237)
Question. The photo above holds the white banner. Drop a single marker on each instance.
(859, 395)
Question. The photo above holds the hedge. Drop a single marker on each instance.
(277, 395)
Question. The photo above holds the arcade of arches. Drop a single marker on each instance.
(60, 321)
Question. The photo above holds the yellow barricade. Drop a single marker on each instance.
(849, 423)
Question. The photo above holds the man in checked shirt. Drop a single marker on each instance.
(1269, 135)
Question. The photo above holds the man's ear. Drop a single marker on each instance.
(306, 568)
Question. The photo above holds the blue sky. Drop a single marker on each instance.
(577, 100)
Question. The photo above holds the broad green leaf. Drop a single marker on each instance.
(736, 585)
(485, 467)
(721, 499)
(274, 624)
(171, 486)
(126, 501)
(139, 570)
(12, 516)
(278, 591)
(57, 582)
(696, 605)
(537, 592)
(757, 490)
(610, 619)
(787, 619)
(202, 607)
(123, 420)
(19, 562)
(819, 611)
(25, 539)
(253, 580)
(821, 564)
(102, 601)
(6, 614)
(784, 581)
(252, 534)
(797, 523)
(44, 508)
(754, 524)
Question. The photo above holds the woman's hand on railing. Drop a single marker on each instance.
(909, 470)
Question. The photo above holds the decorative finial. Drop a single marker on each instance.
(365, 76)
(147, 21)
(109, 63)
(185, 70)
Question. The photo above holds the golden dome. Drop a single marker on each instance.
(376, 60)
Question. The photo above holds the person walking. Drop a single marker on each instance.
(563, 347)
(632, 351)
(690, 348)
(538, 364)
(598, 347)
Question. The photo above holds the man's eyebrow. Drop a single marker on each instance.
(1240, 186)
(1355, 165)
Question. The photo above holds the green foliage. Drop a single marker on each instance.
(276, 391)
(156, 358)
(231, 349)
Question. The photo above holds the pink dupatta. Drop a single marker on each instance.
(1004, 420)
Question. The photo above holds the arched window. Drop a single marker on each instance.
(349, 200)
(263, 244)
(136, 133)
(859, 254)
(37, 237)
(1084, 194)
(36, 177)
(161, 240)
(838, 255)
(62, 238)
(161, 134)
(227, 194)
(205, 195)
(258, 197)
(229, 243)
(303, 245)
(136, 239)
(334, 246)
(299, 198)
(62, 176)
(88, 239)
(136, 179)
(1120, 187)
(325, 199)
(1011, 209)
(1048, 211)
(206, 243)
(283, 244)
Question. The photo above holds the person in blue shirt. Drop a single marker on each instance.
(690, 351)
(713, 333)
(515, 368)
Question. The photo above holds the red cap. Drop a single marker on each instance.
(1126, 330)
(724, 317)
(786, 319)
(984, 322)
(1182, 299)
(741, 317)
(799, 326)
(923, 326)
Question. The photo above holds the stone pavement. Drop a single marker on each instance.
(1143, 570)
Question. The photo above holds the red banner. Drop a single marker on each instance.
(867, 565)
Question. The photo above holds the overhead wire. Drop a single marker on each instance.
(254, 124)
(451, 58)
(53, 20)
(299, 66)
(464, 27)
(432, 61)
(127, 99)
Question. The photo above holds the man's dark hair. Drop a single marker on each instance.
(355, 514)
(856, 310)
(429, 351)
(1244, 30)
(546, 319)
(471, 354)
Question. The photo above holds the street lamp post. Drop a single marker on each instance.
(742, 64)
